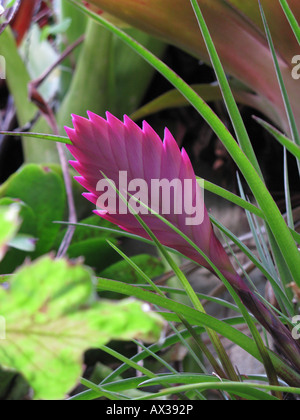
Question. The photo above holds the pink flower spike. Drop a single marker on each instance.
(137, 162)
(113, 147)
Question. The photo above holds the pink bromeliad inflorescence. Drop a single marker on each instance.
(104, 148)
(112, 147)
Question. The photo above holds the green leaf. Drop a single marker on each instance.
(95, 251)
(265, 201)
(198, 318)
(291, 18)
(52, 318)
(209, 93)
(14, 257)
(122, 271)
(9, 225)
(88, 90)
(281, 138)
(42, 189)
(83, 233)
(283, 89)
(17, 80)
(128, 87)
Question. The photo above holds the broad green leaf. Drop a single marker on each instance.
(41, 189)
(9, 225)
(71, 35)
(89, 90)
(17, 80)
(91, 244)
(95, 251)
(130, 74)
(39, 55)
(83, 233)
(122, 271)
(52, 318)
(14, 257)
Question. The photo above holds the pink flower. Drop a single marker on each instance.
(113, 147)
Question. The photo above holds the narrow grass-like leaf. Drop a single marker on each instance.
(288, 107)
(255, 261)
(229, 196)
(244, 389)
(129, 362)
(287, 192)
(154, 287)
(229, 100)
(201, 296)
(264, 311)
(261, 193)
(100, 392)
(291, 18)
(48, 137)
(293, 148)
(229, 369)
(221, 327)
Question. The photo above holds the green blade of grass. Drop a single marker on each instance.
(254, 259)
(218, 301)
(291, 18)
(234, 113)
(48, 137)
(229, 196)
(287, 192)
(289, 111)
(288, 374)
(264, 311)
(293, 148)
(244, 389)
(265, 200)
(226, 363)
(155, 288)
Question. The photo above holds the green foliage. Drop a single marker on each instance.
(122, 271)
(54, 310)
(9, 225)
(52, 317)
(41, 194)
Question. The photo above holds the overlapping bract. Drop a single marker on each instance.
(104, 148)
(112, 147)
